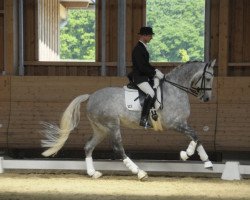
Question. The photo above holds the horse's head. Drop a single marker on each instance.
(202, 81)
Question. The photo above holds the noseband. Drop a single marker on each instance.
(194, 90)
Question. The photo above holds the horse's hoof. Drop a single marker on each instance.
(142, 176)
(208, 165)
(96, 175)
(183, 155)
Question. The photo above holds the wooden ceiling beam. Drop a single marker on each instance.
(75, 3)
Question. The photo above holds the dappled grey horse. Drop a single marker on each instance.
(107, 112)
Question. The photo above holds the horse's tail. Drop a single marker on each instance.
(57, 136)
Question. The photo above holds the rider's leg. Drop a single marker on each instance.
(149, 100)
(146, 88)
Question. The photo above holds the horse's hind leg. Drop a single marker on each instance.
(96, 138)
(193, 145)
(118, 148)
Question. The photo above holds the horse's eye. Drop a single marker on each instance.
(208, 79)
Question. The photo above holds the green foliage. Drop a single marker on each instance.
(178, 26)
(77, 38)
(184, 55)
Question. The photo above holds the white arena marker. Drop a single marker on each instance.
(231, 171)
(1, 165)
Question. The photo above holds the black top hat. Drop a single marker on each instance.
(146, 31)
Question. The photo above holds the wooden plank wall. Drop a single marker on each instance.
(41, 30)
(4, 110)
(35, 99)
(223, 37)
(48, 30)
(239, 31)
(214, 29)
(238, 61)
(30, 30)
(34, 68)
(233, 120)
(44, 99)
(11, 36)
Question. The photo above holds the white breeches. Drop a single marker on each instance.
(146, 88)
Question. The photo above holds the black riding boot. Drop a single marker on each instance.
(145, 111)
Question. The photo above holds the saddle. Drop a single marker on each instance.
(134, 97)
(141, 94)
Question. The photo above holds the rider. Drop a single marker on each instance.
(143, 72)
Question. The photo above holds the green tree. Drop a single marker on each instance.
(184, 55)
(77, 38)
(178, 26)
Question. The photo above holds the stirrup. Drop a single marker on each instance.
(146, 125)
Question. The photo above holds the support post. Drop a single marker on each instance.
(121, 64)
(103, 67)
(20, 38)
(223, 38)
(207, 29)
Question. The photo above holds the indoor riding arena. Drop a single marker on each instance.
(55, 54)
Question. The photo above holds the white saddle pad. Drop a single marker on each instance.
(130, 96)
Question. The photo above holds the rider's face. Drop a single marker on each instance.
(146, 38)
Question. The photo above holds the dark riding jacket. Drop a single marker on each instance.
(142, 71)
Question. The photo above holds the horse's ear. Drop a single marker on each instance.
(213, 63)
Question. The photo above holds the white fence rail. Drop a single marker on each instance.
(228, 171)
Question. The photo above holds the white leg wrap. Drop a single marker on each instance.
(131, 165)
(191, 148)
(183, 155)
(202, 153)
(208, 164)
(142, 175)
(90, 166)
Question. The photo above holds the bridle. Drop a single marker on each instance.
(195, 90)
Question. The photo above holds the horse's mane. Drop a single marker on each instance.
(181, 65)
(188, 62)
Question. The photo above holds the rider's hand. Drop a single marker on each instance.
(156, 82)
(159, 74)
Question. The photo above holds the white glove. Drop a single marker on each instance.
(159, 74)
(156, 82)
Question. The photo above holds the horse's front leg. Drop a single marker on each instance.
(204, 157)
(193, 145)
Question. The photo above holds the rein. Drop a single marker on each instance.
(193, 91)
